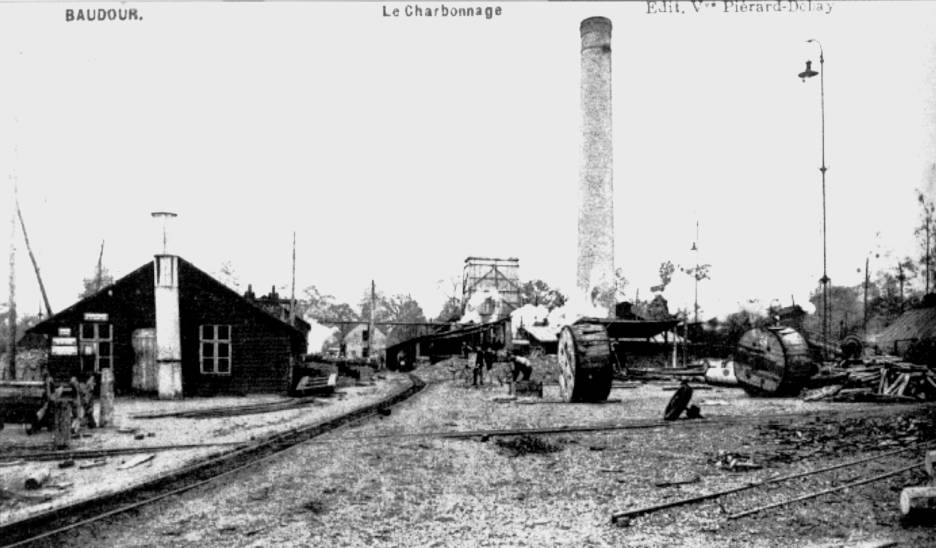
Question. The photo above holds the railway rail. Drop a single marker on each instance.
(44, 529)
(624, 517)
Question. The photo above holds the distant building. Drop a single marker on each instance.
(912, 335)
(490, 288)
(170, 329)
(789, 316)
(355, 342)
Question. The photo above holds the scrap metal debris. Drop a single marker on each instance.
(735, 462)
(678, 402)
(884, 379)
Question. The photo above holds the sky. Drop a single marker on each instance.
(397, 147)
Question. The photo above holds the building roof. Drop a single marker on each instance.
(632, 329)
(146, 270)
(541, 333)
(919, 323)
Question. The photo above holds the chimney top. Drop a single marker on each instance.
(165, 217)
(600, 25)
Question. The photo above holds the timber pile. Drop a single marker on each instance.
(880, 379)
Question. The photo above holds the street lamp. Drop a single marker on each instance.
(824, 281)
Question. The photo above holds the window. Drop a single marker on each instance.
(214, 352)
(96, 345)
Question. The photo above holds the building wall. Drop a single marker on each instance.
(261, 346)
(129, 304)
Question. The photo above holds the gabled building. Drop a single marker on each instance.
(913, 334)
(356, 341)
(170, 329)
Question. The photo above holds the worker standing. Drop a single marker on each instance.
(478, 372)
(489, 357)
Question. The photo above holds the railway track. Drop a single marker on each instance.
(862, 478)
(46, 529)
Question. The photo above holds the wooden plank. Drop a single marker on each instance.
(136, 461)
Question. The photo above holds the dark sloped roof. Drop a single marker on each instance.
(919, 323)
(146, 270)
(632, 329)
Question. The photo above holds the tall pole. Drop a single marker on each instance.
(901, 278)
(927, 228)
(827, 304)
(695, 274)
(99, 276)
(824, 281)
(866, 284)
(292, 296)
(11, 345)
(45, 297)
(370, 320)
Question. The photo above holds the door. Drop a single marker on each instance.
(144, 362)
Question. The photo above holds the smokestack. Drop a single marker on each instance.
(596, 192)
(168, 332)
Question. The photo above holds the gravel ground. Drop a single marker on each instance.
(379, 483)
(74, 484)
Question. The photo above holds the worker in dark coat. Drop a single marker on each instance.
(478, 372)
(489, 357)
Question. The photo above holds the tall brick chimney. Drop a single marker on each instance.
(596, 192)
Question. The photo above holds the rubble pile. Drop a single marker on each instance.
(838, 436)
(880, 379)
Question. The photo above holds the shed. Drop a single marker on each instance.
(913, 327)
(171, 329)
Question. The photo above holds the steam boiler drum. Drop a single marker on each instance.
(585, 369)
(773, 361)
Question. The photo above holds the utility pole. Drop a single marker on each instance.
(927, 228)
(901, 278)
(370, 320)
(867, 282)
(292, 296)
(99, 275)
(695, 274)
(45, 297)
(11, 345)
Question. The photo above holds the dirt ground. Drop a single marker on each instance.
(75, 483)
(385, 483)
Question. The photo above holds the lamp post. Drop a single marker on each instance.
(824, 281)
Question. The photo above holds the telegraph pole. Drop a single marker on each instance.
(370, 320)
(866, 284)
(11, 345)
(292, 296)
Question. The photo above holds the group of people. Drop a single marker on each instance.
(81, 401)
(484, 359)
